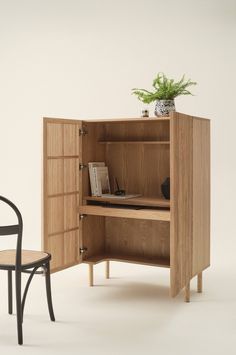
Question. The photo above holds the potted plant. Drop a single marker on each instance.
(165, 91)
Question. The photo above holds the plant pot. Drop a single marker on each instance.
(164, 107)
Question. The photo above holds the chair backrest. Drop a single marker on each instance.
(14, 229)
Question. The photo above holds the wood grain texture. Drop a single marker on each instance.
(159, 215)
(190, 198)
(62, 149)
(93, 235)
(54, 138)
(128, 119)
(135, 142)
(158, 262)
(179, 238)
(145, 174)
(55, 243)
(201, 196)
(137, 238)
(71, 175)
(91, 151)
(181, 150)
(54, 176)
(136, 201)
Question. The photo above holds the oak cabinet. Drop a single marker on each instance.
(140, 153)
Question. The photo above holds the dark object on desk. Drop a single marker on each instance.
(165, 188)
(119, 192)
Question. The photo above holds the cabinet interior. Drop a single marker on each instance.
(109, 238)
(138, 155)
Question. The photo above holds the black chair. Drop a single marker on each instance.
(27, 261)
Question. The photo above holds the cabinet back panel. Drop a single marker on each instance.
(93, 236)
(138, 168)
(148, 239)
(150, 130)
(91, 151)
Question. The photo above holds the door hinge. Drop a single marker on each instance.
(83, 250)
(81, 216)
(82, 166)
(83, 131)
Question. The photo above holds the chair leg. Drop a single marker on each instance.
(18, 307)
(26, 290)
(10, 291)
(49, 294)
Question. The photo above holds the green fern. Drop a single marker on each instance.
(165, 89)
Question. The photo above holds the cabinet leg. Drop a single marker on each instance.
(187, 292)
(90, 274)
(199, 282)
(107, 269)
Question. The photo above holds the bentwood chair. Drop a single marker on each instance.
(27, 261)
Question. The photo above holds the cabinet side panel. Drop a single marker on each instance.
(181, 167)
(201, 195)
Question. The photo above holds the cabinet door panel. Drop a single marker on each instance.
(55, 176)
(70, 212)
(62, 147)
(190, 198)
(181, 177)
(54, 138)
(71, 176)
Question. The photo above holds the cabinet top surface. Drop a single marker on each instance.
(173, 115)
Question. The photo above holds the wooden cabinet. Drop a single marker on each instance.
(148, 229)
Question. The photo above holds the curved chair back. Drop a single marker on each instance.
(14, 229)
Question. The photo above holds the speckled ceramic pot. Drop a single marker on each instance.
(164, 107)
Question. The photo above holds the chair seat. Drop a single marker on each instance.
(28, 257)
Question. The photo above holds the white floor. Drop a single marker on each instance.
(129, 314)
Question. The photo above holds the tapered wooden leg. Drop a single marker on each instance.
(199, 282)
(90, 274)
(107, 269)
(187, 292)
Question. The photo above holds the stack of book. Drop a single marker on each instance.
(99, 178)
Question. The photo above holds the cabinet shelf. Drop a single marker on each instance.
(136, 201)
(135, 142)
(148, 214)
(157, 261)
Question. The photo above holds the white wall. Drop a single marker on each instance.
(80, 59)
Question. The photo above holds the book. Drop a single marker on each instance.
(101, 178)
(93, 186)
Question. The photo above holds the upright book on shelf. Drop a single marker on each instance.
(101, 178)
(93, 186)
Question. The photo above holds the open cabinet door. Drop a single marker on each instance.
(61, 195)
(190, 198)
(181, 177)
